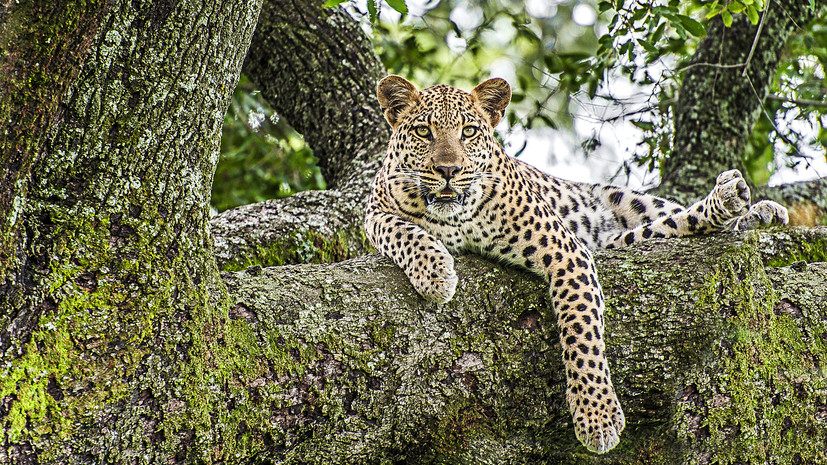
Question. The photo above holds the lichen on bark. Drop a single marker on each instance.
(104, 297)
(702, 338)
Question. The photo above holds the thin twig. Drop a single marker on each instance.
(755, 40)
(787, 13)
(711, 65)
(803, 102)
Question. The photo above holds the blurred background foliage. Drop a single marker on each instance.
(262, 157)
(592, 69)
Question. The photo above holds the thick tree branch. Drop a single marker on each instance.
(710, 350)
(309, 227)
(322, 77)
(318, 69)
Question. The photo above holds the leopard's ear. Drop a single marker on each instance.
(395, 95)
(492, 96)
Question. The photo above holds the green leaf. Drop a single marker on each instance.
(645, 125)
(606, 40)
(372, 11)
(604, 6)
(593, 82)
(694, 27)
(648, 47)
(527, 34)
(333, 3)
(639, 14)
(658, 32)
(752, 14)
(735, 7)
(554, 64)
(547, 119)
(575, 56)
(727, 17)
(398, 5)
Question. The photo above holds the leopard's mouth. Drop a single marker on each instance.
(446, 195)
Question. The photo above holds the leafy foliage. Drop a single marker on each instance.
(261, 156)
(666, 35)
(535, 46)
(792, 131)
(560, 64)
(565, 61)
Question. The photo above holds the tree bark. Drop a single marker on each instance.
(109, 153)
(30, 93)
(715, 345)
(806, 201)
(718, 106)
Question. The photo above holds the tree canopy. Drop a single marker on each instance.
(590, 70)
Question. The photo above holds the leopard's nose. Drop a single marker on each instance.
(448, 172)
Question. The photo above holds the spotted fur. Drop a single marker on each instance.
(447, 186)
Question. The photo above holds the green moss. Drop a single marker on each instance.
(71, 346)
(41, 48)
(306, 247)
(813, 250)
(741, 425)
(381, 335)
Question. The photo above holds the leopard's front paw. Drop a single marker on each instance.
(433, 276)
(598, 418)
(763, 213)
(730, 192)
(437, 287)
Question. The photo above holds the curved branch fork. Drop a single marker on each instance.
(352, 366)
(311, 226)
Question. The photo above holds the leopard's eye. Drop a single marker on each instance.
(422, 131)
(469, 131)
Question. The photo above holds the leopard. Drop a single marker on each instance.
(446, 187)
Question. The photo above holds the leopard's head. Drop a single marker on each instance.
(443, 141)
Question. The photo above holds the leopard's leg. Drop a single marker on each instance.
(579, 304)
(556, 253)
(424, 258)
(722, 209)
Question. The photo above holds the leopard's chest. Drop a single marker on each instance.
(459, 235)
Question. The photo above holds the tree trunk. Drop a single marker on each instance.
(108, 152)
(718, 105)
(715, 345)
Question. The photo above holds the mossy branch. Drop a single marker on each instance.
(715, 357)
